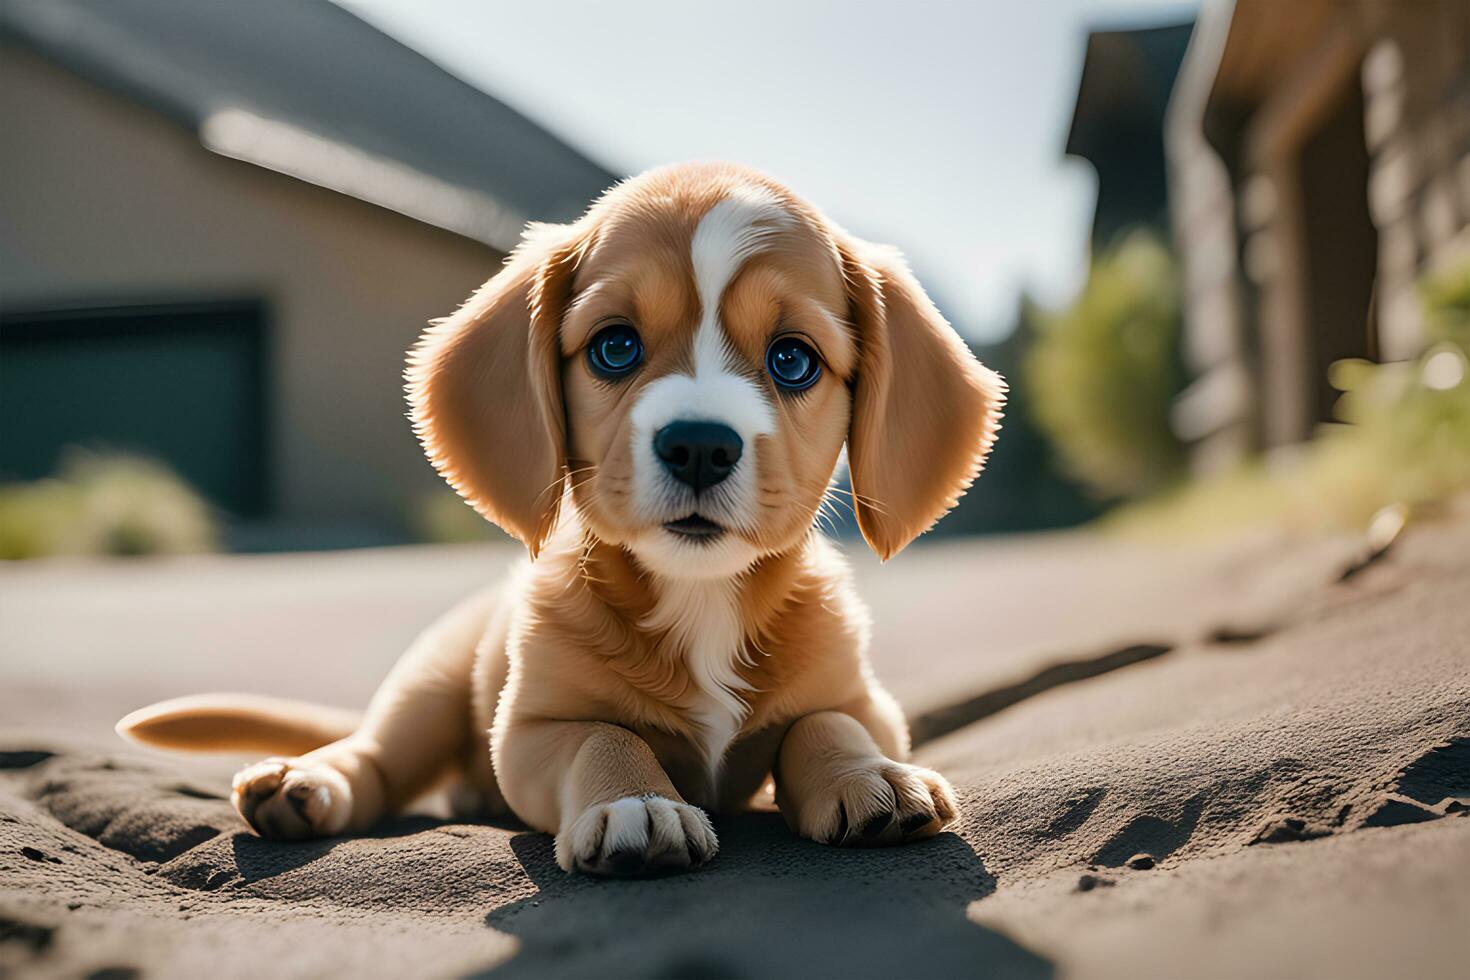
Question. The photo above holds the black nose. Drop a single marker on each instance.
(700, 454)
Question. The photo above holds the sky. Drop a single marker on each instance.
(934, 126)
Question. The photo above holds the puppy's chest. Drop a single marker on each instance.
(710, 679)
(695, 724)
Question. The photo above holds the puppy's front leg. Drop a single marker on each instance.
(600, 789)
(835, 785)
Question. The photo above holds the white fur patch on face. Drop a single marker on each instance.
(732, 231)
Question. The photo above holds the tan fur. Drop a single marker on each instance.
(239, 722)
(621, 704)
(925, 412)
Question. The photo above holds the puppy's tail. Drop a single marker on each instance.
(237, 723)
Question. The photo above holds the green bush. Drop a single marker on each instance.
(1103, 374)
(1405, 432)
(104, 505)
(1402, 438)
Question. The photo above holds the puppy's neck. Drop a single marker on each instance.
(702, 624)
(745, 603)
(710, 628)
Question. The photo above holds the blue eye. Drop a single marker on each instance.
(793, 364)
(615, 351)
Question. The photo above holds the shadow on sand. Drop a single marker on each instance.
(768, 905)
(257, 859)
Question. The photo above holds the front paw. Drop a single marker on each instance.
(878, 803)
(284, 799)
(636, 835)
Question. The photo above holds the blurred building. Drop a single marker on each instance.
(1118, 128)
(1118, 125)
(1320, 164)
(224, 223)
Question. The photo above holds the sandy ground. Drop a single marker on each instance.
(1218, 762)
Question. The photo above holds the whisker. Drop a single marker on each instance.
(562, 481)
(826, 520)
(863, 499)
(831, 499)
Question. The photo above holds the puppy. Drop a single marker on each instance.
(654, 399)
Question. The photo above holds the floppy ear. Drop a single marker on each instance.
(925, 411)
(484, 388)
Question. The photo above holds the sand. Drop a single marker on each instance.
(1141, 798)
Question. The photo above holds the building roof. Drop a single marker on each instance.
(1267, 45)
(1127, 76)
(308, 89)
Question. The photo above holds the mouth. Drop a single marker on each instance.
(695, 528)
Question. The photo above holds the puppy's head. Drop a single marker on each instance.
(689, 358)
